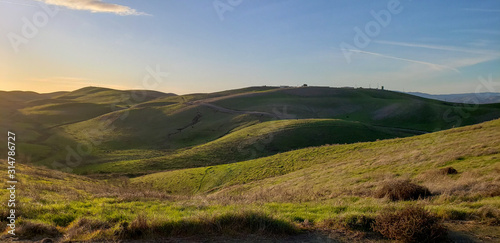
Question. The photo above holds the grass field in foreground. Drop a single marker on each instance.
(324, 188)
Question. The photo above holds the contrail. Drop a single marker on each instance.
(441, 48)
(432, 65)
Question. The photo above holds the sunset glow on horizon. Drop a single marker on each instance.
(425, 46)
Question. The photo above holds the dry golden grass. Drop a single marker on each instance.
(397, 190)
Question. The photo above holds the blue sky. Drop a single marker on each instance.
(205, 46)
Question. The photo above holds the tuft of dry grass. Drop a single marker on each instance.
(411, 224)
(468, 185)
(489, 215)
(84, 226)
(397, 190)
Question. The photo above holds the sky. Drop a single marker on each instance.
(187, 46)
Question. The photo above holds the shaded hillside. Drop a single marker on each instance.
(169, 123)
(35, 117)
(110, 96)
(255, 141)
(120, 128)
(377, 107)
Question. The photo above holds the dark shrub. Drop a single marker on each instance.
(30, 230)
(448, 171)
(402, 190)
(226, 224)
(250, 222)
(412, 224)
(138, 227)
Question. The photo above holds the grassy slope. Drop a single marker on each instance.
(332, 187)
(110, 96)
(202, 96)
(79, 105)
(35, 117)
(151, 128)
(330, 169)
(165, 116)
(258, 140)
(377, 107)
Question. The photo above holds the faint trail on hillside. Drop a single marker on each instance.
(194, 121)
(230, 111)
(417, 132)
(204, 175)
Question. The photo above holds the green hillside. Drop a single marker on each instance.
(322, 192)
(338, 168)
(155, 130)
(188, 123)
(110, 96)
(203, 96)
(255, 141)
(35, 118)
(51, 115)
(165, 131)
(377, 107)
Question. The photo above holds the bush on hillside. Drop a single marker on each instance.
(402, 190)
(448, 171)
(412, 224)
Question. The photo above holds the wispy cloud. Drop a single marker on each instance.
(469, 61)
(95, 6)
(432, 65)
(438, 47)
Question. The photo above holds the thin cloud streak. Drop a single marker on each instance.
(95, 6)
(432, 65)
(436, 47)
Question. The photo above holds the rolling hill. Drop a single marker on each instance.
(165, 131)
(160, 127)
(323, 192)
(254, 141)
(354, 168)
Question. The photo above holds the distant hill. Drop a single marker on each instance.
(468, 98)
(168, 131)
